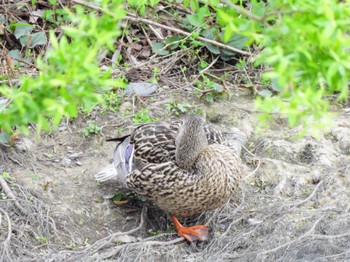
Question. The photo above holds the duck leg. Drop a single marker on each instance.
(198, 232)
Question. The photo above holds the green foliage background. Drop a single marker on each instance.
(70, 76)
(304, 50)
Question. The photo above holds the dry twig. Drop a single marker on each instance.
(5, 244)
(10, 194)
(135, 19)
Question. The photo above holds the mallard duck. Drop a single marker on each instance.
(184, 167)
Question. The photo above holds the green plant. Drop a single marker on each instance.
(91, 128)
(141, 5)
(143, 117)
(121, 197)
(305, 48)
(5, 175)
(241, 64)
(154, 233)
(56, 16)
(70, 77)
(112, 101)
(177, 108)
(209, 90)
(302, 47)
(43, 240)
(308, 191)
(155, 77)
(72, 245)
(26, 36)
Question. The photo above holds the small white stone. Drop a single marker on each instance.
(126, 239)
(66, 162)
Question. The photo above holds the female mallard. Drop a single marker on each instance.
(180, 166)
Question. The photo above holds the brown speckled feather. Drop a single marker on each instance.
(155, 143)
(183, 193)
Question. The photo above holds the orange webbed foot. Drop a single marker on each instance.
(198, 232)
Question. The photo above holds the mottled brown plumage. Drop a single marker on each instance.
(183, 166)
(215, 176)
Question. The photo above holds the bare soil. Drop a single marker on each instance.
(293, 204)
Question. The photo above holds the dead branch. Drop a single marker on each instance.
(162, 243)
(135, 19)
(5, 244)
(309, 197)
(115, 251)
(12, 196)
(308, 233)
(181, 32)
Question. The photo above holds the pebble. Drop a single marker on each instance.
(316, 176)
(24, 145)
(66, 162)
(141, 88)
(62, 128)
(253, 221)
(125, 239)
(75, 155)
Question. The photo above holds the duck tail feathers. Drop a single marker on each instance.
(107, 173)
(122, 161)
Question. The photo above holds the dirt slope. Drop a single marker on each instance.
(293, 204)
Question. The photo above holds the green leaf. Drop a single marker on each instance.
(258, 8)
(153, 2)
(38, 39)
(15, 54)
(218, 88)
(212, 48)
(224, 56)
(157, 49)
(265, 93)
(171, 40)
(210, 35)
(275, 87)
(203, 12)
(224, 16)
(186, 3)
(24, 40)
(22, 29)
(195, 20)
(48, 14)
(2, 19)
(194, 4)
(142, 9)
(5, 138)
(237, 41)
(199, 19)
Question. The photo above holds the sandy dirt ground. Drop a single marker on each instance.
(293, 204)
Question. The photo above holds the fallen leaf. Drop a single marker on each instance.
(120, 202)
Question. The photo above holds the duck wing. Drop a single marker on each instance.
(149, 143)
(155, 143)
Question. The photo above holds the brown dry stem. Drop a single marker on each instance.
(135, 19)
